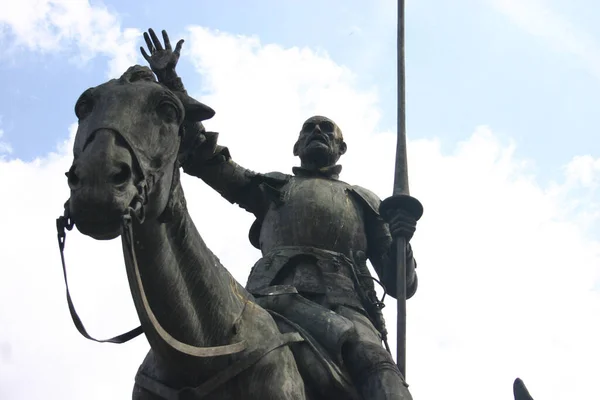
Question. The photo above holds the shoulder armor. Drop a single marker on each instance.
(369, 198)
(272, 177)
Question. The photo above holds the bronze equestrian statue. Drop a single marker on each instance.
(315, 233)
(308, 324)
(209, 336)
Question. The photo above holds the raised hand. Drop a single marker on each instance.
(161, 60)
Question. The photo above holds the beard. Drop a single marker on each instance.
(318, 155)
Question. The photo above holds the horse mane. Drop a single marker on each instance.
(138, 73)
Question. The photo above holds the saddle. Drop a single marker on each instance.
(319, 356)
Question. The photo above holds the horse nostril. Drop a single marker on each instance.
(123, 175)
(72, 177)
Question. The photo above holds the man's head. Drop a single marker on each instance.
(320, 143)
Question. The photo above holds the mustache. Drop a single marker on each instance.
(318, 136)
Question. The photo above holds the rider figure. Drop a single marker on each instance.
(315, 232)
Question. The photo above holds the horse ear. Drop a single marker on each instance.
(194, 110)
(198, 112)
(520, 390)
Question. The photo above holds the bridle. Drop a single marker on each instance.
(137, 211)
(65, 223)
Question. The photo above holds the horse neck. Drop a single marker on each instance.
(194, 298)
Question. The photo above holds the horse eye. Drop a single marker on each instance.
(168, 111)
(83, 108)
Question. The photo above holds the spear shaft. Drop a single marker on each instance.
(401, 188)
(401, 199)
(401, 174)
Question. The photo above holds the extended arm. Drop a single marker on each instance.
(199, 155)
(216, 168)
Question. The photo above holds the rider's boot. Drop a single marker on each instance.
(374, 372)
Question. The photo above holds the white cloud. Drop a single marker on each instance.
(584, 170)
(538, 18)
(58, 25)
(506, 266)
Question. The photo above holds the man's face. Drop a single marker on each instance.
(320, 142)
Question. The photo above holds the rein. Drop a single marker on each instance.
(159, 389)
(62, 223)
(137, 211)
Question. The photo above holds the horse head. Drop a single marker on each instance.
(125, 151)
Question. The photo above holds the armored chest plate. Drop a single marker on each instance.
(315, 212)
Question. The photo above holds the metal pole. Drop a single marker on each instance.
(401, 188)
(401, 200)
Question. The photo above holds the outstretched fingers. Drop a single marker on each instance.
(155, 40)
(157, 57)
(144, 54)
(178, 47)
(148, 43)
(166, 39)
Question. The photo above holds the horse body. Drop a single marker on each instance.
(125, 157)
(196, 300)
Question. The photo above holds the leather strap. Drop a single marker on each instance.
(185, 348)
(248, 360)
(63, 223)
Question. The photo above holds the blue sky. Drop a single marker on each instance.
(467, 64)
(502, 98)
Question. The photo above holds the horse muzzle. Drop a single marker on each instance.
(102, 183)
